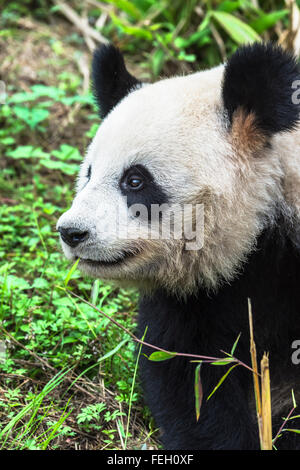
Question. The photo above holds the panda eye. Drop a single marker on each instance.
(132, 180)
(139, 186)
(135, 182)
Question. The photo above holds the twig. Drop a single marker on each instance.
(135, 338)
(283, 424)
(152, 346)
(219, 41)
(85, 71)
(90, 34)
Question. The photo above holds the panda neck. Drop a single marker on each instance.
(270, 279)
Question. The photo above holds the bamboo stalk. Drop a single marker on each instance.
(266, 404)
(255, 374)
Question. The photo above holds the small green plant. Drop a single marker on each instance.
(89, 417)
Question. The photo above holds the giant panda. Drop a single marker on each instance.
(226, 139)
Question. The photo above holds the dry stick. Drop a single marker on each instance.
(255, 376)
(89, 33)
(263, 394)
(266, 404)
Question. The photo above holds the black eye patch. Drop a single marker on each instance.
(140, 187)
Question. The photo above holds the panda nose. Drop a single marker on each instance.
(73, 236)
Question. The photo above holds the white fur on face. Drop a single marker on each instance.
(177, 130)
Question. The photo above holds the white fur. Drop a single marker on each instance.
(177, 129)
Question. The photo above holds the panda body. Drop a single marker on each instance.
(226, 138)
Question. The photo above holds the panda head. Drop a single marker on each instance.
(199, 141)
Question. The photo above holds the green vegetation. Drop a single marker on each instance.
(67, 374)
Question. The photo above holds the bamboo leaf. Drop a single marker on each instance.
(158, 356)
(223, 362)
(235, 345)
(297, 431)
(221, 381)
(239, 31)
(268, 20)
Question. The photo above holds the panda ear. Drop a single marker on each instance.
(257, 82)
(111, 80)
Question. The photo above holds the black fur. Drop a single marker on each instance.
(150, 193)
(207, 323)
(259, 78)
(111, 80)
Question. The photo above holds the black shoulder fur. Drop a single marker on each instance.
(205, 324)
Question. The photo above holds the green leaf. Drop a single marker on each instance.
(229, 6)
(113, 351)
(239, 31)
(40, 283)
(67, 168)
(158, 356)
(67, 152)
(27, 151)
(187, 57)
(49, 91)
(223, 362)
(221, 381)
(21, 97)
(268, 20)
(183, 43)
(32, 117)
(135, 31)
(69, 275)
(8, 141)
(127, 7)
(235, 344)
(297, 431)
(158, 61)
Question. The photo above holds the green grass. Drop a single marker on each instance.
(44, 329)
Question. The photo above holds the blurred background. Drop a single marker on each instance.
(67, 374)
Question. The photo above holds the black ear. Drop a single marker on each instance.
(258, 79)
(111, 80)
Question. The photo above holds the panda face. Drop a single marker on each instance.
(171, 144)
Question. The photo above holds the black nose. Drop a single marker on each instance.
(73, 236)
